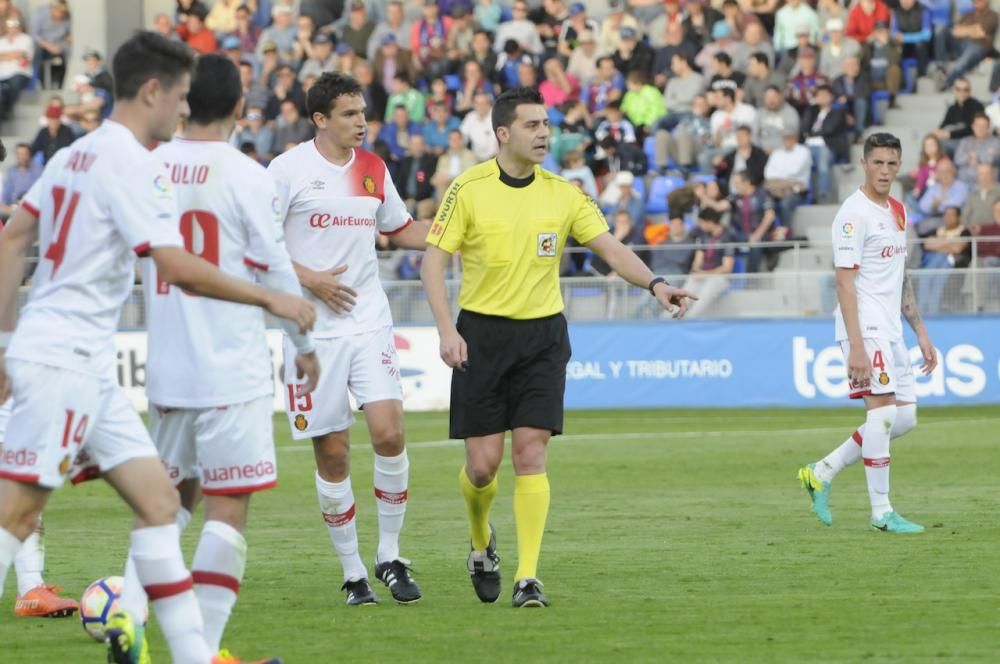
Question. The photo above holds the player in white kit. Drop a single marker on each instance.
(99, 204)
(209, 377)
(335, 198)
(869, 246)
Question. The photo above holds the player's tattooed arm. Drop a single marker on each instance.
(909, 304)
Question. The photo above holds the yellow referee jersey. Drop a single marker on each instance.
(511, 234)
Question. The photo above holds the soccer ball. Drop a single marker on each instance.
(99, 601)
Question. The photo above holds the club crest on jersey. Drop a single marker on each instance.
(368, 182)
(883, 378)
(301, 423)
(900, 222)
(547, 243)
(64, 465)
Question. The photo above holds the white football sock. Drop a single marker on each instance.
(336, 502)
(217, 571)
(875, 451)
(160, 567)
(9, 546)
(392, 476)
(30, 561)
(849, 452)
(133, 598)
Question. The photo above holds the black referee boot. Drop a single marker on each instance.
(528, 594)
(484, 569)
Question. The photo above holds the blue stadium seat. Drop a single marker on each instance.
(659, 188)
(876, 111)
(649, 147)
(910, 66)
(555, 116)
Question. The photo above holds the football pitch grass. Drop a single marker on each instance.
(674, 535)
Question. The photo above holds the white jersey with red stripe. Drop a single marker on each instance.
(332, 215)
(100, 202)
(206, 353)
(871, 238)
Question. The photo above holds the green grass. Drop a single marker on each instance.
(673, 536)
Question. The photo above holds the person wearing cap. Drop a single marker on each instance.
(322, 58)
(51, 30)
(578, 22)
(837, 49)
(16, 49)
(359, 28)
(799, 90)
(222, 17)
(230, 48)
(787, 174)
(395, 23)
(608, 36)
(428, 39)
(633, 54)
(392, 60)
(863, 16)
(519, 29)
(54, 136)
(882, 58)
(281, 34)
(795, 15)
(912, 26)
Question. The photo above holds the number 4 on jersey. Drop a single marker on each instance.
(200, 230)
(877, 361)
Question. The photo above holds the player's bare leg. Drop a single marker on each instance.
(336, 503)
(34, 597)
(531, 508)
(21, 506)
(392, 475)
(478, 479)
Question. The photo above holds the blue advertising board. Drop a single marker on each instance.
(748, 363)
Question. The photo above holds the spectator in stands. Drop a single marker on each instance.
(978, 208)
(575, 128)
(624, 208)
(692, 136)
(291, 130)
(710, 197)
(559, 86)
(643, 103)
(911, 26)
(754, 41)
(194, 32)
(439, 94)
(957, 122)
(775, 120)
(398, 131)
(824, 130)
(837, 49)
(396, 24)
(163, 25)
(674, 250)
(438, 128)
(571, 30)
(483, 54)
(574, 167)
(852, 90)
(632, 54)
(803, 84)
(947, 249)
(727, 118)
(615, 125)
(428, 38)
(286, 88)
(764, 10)
(459, 43)
(863, 17)
(720, 42)
(54, 136)
(623, 157)
(521, 30)
(760, 78)
(477, 127)
(255, 95)
(606, 86)
(752, 216)
(8, 10)
(527, 75)
(230, 48)
(89, 98)
(699, 23)
(712, 263)
(786, 176)
(609, 34)
(924, 174)
(17, 179)
(414, 180)
(549, 19)
(745, 158)
(246, 31)
(100, 78)
(791, 18)
(988, 250)
(321, 59)
(737, 20)
(282, 34)
(488, 14)
(975, 32)
(725, 75)
(882, 59)
(16, 51)
(681, 90)
(358, 29)
(676, 43)
(507, 73)
(50, 28)
(947, 192)
(393, 60)
(405, 95)
(455, 161)
(90, 121)
(376, 97)
(252, 129)
(304, 34)
(983, 147)
(222, 18)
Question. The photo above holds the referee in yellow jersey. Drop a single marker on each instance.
(510, 220)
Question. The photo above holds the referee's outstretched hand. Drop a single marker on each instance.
(674, 300)
(454, 352)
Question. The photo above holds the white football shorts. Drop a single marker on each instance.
(229, 448)
(892, 371)
(65, 423)
(364, 366)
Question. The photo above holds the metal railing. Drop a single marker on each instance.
(801, 285)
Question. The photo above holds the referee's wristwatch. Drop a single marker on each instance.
(652, 284)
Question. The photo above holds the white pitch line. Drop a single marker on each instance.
(656, 435)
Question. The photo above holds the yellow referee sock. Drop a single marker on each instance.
(531, 507)
(478, 501)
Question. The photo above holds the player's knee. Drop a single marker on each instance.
(906, 420)
(21, 508)
(480, 471)
(387, 439)
(229, 509)
(529, 458)
(159, 508)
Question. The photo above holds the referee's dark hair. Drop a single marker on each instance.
(882, 139)
(324, 92)
(505, 107)
(215, 89)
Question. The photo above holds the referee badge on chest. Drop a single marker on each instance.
(547, 243)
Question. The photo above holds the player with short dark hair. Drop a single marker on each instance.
(511, 220)
(869, 252)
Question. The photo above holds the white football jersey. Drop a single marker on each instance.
(205, 353)
(332, 216)
(100, 202)
(872, 239)
(4, 416)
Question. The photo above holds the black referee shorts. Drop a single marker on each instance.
(516, 375)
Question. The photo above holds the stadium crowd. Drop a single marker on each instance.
(689, 121)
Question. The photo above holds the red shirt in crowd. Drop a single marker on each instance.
(860, 24)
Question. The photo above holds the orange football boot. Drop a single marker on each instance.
(44, 602)
(226, 657)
